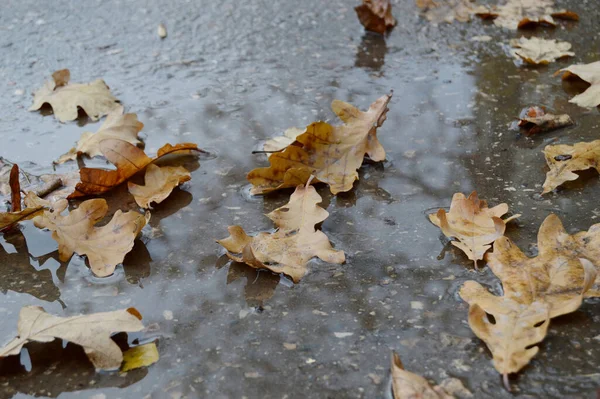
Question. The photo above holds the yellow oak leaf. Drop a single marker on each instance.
(332, 154)
(295, 242)
(116, 126)
(519, 14)
(104, 246)
(538, 51)
(93, 98)
(159, 182)
(472, 223)
(376, 15)
(92, 332)
(563, 160)
(535, 290)
(590, 73)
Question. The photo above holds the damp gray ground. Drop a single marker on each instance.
(231, 74)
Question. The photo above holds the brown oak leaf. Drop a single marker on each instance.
(376, 15)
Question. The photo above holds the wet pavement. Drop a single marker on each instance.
(232, 74)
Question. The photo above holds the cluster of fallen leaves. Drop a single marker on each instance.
(74, 225)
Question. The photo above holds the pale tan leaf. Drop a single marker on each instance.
(64, 98)
(332, 154)
(104, 246)
(564, 160)
(534, 119)
(92, 332)
(159, 182)
(538, 51)
(295, 242)
(407, 385)
(438, 11)
(518, 14)
(116, 126)
(589, 73)
(280, 142)
(472, 223)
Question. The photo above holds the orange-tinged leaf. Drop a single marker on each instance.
(128, 159)
(104, 246)
(15, 189)
(93, 98)
(159, 182)
(93, 332)
(295, 242)
(472, 223)
(116, 126)
(332, 154)
(376, 15)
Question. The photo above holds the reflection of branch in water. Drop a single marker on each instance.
(52, 372)
(260, 284)
(19, 275)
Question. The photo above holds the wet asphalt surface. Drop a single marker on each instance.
(232, 74)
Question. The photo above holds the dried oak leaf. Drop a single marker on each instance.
(64, 98)
(34, 206)
(92, 332)
(407, 385)
(331, 153)
(159, 182)
(535, 290)
(519, 14)
(563, 160)
(538, 51)
(589, 73)
(535, 120)
(116, 126)
(104, 246)
(376, 15)
(128, 159)
(295, 242)
(472, 223)
(438, 11)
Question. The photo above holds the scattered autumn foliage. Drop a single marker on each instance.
(93, 98)
(128, 159)
(564, 160)
(535, 290)
(376, 15)
(472, 223)
(104, 246)
(332, 154)
(519, 14)
(92, 332)
(295, 242)
(589, 73)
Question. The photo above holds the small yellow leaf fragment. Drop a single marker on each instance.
(162, 31)
(139, 356)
